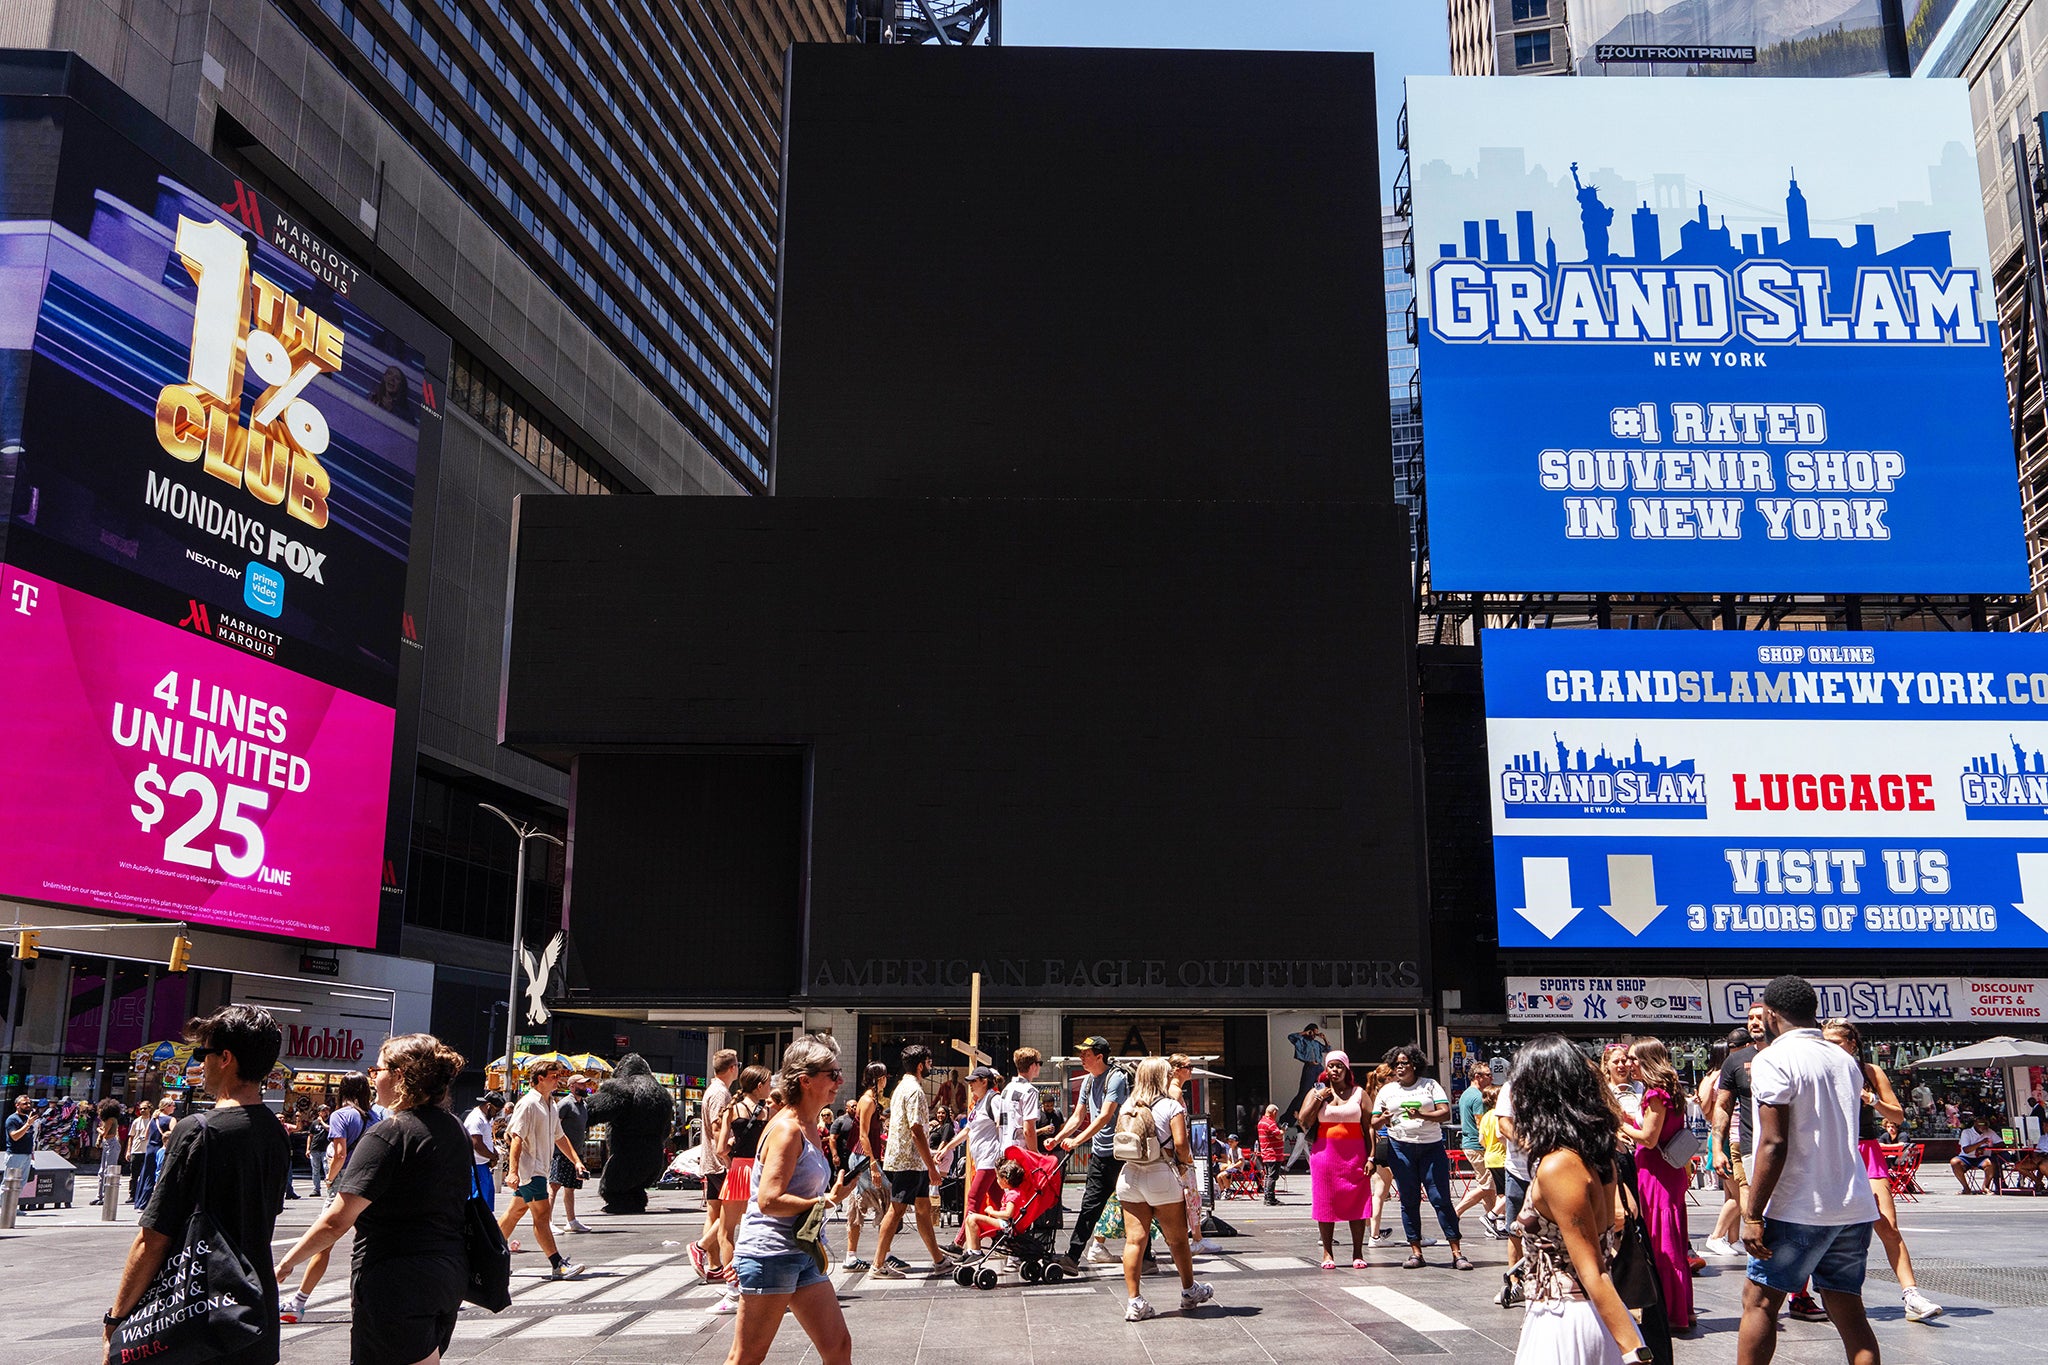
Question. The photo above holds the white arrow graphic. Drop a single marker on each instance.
(1547, 891)
(1632, 881)
(2033, 901)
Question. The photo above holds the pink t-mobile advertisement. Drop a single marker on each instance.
(151, 770)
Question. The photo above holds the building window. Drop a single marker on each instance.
(1532, 9)
(525, 432)
(464, 863)
(1532, 49)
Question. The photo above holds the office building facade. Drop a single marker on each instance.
(1509, 38)
(583, 198)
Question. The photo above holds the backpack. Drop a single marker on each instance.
(1136, 1142)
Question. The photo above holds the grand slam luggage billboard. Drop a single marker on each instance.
(1718, 336)
(1752, 789)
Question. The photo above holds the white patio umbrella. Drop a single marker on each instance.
(2004, 1050)
(2012, 1054)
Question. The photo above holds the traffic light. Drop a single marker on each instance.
(181, 953)
(25, 944)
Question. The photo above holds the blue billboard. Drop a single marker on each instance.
(1732, 789)
(1709, 336)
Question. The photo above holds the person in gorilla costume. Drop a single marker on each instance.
(640, 1111)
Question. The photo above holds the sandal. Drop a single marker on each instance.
(1414, 1262)
(1329, 1264)
(1358, 1263)
(1460, 1263)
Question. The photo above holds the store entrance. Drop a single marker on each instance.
(1235, 1046)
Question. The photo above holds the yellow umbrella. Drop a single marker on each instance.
(587, 1062)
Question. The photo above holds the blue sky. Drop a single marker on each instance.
(1407, 37)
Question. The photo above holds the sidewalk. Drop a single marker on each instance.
(641, 1302)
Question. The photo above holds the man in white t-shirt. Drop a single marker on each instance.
(1810, 1205)
(711, 1253)
(483, 1145)
(1973, 1152)
(1020, 1103)
(532, 1137)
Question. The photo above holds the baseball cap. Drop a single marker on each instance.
(985, 1073)
(1499, 1067)
(1096, 1043)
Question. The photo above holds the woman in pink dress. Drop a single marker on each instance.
(1661, 1184)
(1339, 1157)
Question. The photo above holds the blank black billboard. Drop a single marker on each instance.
(1094, 749)
(1057, 272)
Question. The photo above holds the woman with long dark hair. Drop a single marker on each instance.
(355, 1112)
(1727, 1233)
(404, 1193)
(1413, 1109)
(110, 1112)
(1339, 1156)
(1661, 1183)
(1566, 1120)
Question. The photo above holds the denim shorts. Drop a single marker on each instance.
(783, 1273)
(1832, 1256)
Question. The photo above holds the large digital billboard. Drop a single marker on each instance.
(1708, 336)
(212, 425)
(1730, 789)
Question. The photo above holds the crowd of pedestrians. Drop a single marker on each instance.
(1581, 1164)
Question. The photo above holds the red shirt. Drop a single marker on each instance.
(1272, 1147)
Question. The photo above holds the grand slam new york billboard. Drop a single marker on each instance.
(1737, 789)
(1708, 336)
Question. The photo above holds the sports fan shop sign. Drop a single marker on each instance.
(1901, 1000)
(1606, 1000)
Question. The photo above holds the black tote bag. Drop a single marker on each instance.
(490, 1260)
(205, 1302)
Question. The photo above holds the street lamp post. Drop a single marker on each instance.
(525, 830)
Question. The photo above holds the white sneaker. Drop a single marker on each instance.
(1714, 1246)
(1919, 1308)
(1098, 1254)
(1138, 1310)
(1195, 1295)
(729, 1304)
(1383, 1235)
(568, 1270)
(1208, 1247)
(885, 1271)
(575, 1226)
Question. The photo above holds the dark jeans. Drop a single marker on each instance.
(1272, 1170)
(1095, 1195)
(1310, 1073)
(1420, 1164)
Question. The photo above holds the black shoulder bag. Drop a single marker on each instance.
(206, 1300)
(490, 1260)
(1633, 1272)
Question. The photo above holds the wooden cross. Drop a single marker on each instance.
(971, 1049)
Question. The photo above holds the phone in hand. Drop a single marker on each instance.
(855, 1167)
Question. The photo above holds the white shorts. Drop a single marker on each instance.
(1155, 1184)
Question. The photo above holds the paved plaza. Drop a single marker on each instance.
(1987, 1259)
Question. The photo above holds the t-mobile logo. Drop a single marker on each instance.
(24, 596)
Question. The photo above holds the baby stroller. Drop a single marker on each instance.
(1028, 1239)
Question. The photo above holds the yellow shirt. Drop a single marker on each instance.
(1492, 1142)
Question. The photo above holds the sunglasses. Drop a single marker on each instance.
(835, 1073)
(200, 1054)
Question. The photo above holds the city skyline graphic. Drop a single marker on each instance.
(1569, 760)
(1701, 240)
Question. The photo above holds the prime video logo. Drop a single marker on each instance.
(263, 590)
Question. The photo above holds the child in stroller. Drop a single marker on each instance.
(1031, 1183)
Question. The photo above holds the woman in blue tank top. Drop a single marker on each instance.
(792, 1179)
